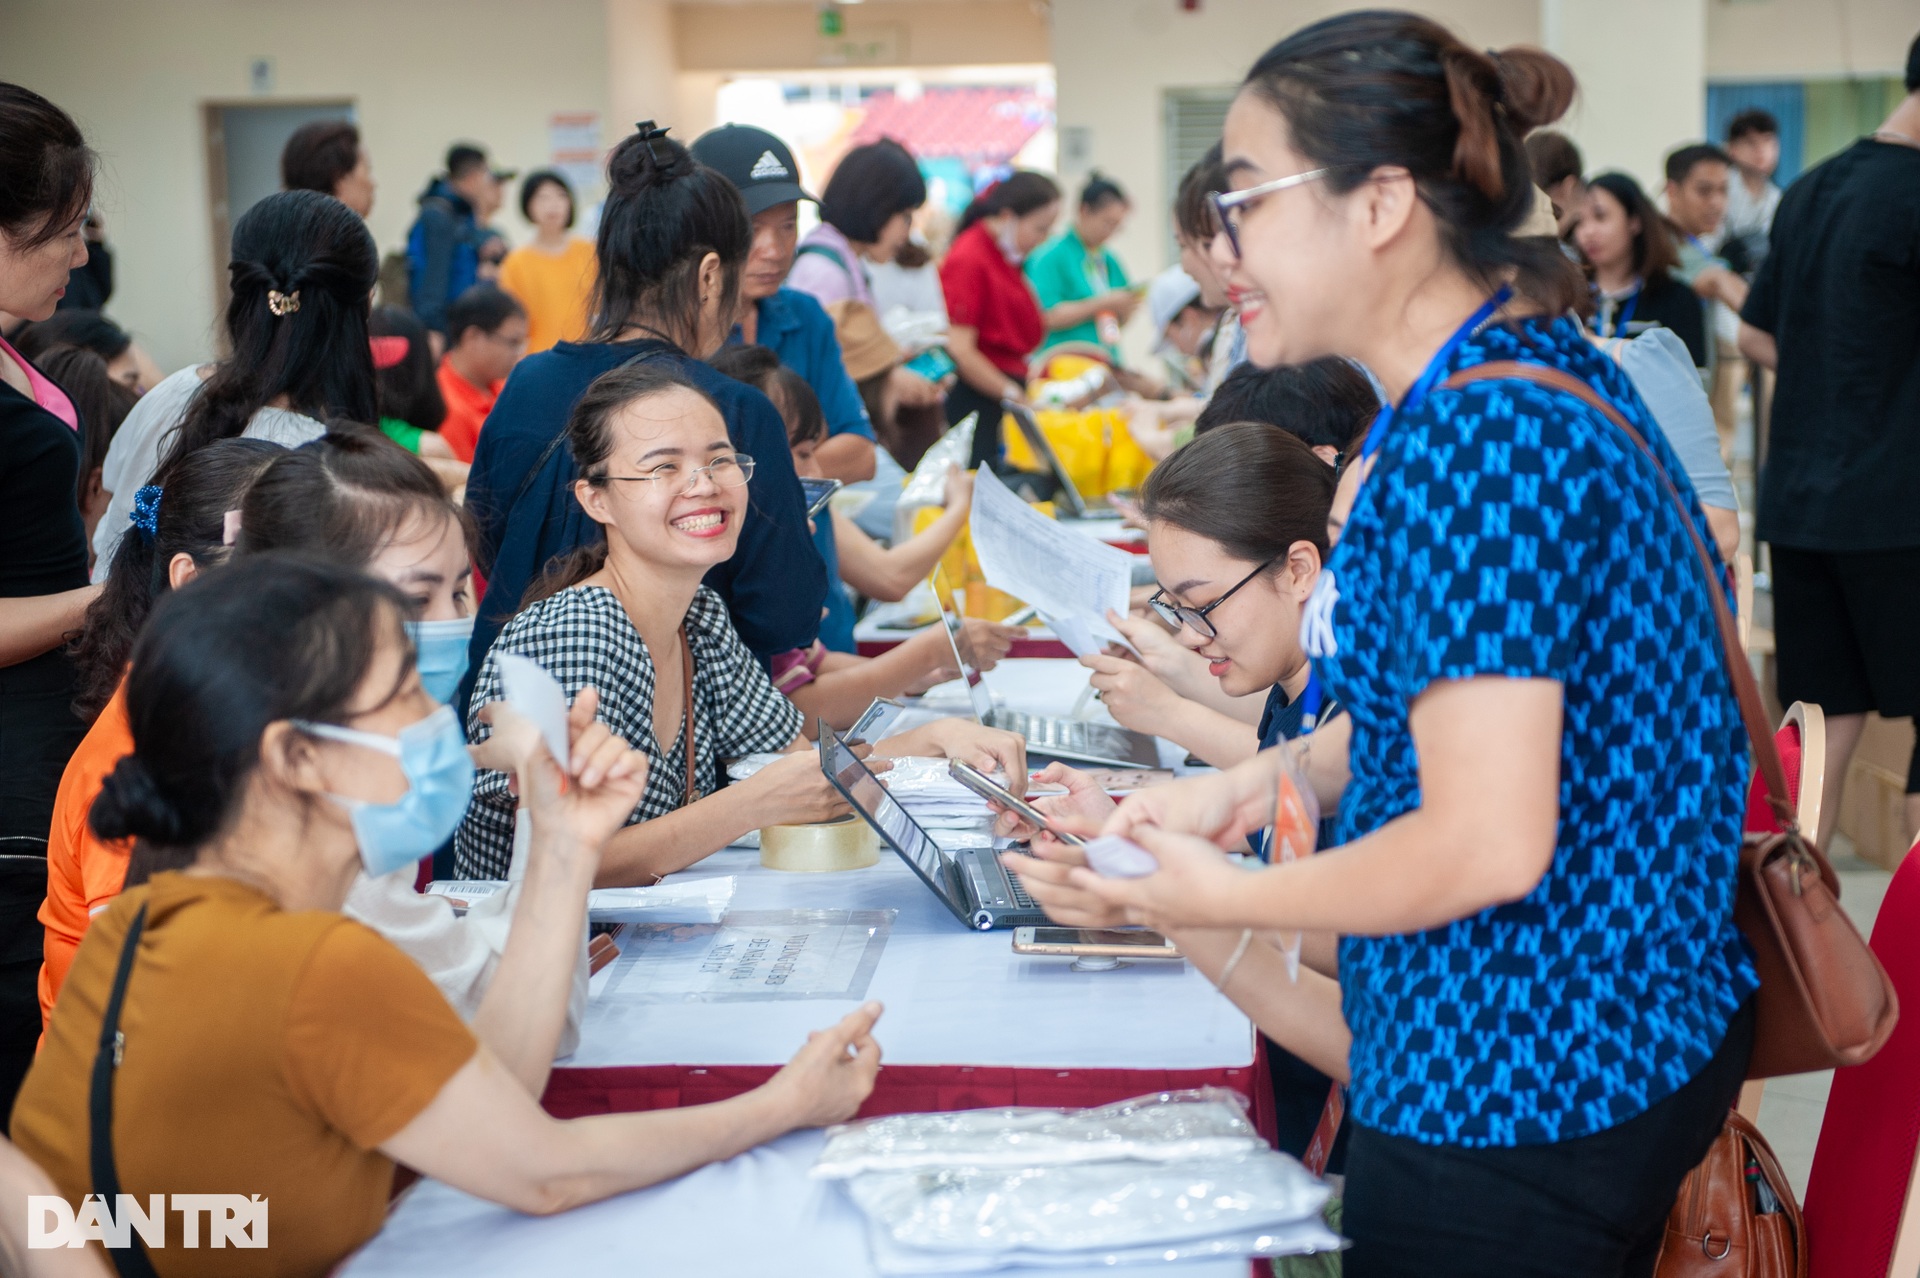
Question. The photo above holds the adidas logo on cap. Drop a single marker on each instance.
(768, 166)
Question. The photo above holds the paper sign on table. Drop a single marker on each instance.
(1072, 580)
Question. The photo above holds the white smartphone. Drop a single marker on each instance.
(987, 788)
(1094, 942)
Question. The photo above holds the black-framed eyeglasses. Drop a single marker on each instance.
(1226, 204)
(730, 470)
(1178, 615)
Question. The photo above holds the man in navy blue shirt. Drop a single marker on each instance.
(788, 322)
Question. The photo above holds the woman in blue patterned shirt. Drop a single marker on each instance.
(1549, 1000)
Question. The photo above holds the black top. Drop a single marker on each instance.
(1840, 292)
(1663, 302)
(43, 544)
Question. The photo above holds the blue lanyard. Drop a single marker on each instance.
(1312, 699)
(1625, 316)
(1417, 393)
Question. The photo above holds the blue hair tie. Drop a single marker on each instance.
(146, 511)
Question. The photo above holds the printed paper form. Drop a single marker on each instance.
(1071, 580)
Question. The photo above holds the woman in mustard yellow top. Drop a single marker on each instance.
(267, 1044)
(553, 276)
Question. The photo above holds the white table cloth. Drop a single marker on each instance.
(755, 1216)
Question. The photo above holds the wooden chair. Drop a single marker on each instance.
(1863, 1201)
(1802, 740)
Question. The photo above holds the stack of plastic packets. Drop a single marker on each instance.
(1174, 1176)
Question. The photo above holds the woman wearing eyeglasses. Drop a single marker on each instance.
(1549, 999)
(1237, 530)
(630, 615)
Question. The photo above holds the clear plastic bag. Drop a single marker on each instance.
(927, 485)
(1177, 1175)
(1091, 1207)
(1203, 1123)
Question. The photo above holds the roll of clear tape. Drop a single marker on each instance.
(845, 843)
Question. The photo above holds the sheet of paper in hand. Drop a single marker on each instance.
(1070, 579)
(751, 956)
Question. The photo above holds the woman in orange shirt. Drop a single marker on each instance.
(553, 276)
(179, 528)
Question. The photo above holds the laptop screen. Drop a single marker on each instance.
(1029, 426)
(890, 821)
(977, 689)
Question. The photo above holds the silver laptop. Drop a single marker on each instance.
(1103, 743)
(1068, 493)
(971, 882)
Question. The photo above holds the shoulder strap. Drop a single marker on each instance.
(1752, 710)
(691, 794)
(131, 1261)
(821, 250)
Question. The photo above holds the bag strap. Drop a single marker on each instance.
(132, 1260)
(1753, 713)
(821, 250)
(691, 794)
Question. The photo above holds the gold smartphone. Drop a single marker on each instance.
(1077, 942)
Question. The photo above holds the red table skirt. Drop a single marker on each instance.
(902, 1089)
(1021, 647)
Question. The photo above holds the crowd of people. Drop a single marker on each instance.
(254, 617)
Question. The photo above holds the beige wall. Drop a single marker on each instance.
(1808, 39)
(1114, 60)
(778, 37)
(1639, 98)
(423, 73)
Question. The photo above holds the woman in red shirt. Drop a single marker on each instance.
(995, 317)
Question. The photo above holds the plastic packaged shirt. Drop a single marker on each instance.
(1167, 1127)
(1178, 1175)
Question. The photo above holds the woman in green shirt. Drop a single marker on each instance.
(1083, 289)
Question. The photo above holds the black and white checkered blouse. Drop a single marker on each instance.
(582, 637)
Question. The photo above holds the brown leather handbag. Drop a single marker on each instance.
(1824, 999)
(1735, 1217)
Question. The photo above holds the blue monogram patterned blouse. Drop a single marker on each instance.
(1508, 529)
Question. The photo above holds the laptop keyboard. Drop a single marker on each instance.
(1042, 733)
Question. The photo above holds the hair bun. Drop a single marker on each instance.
(647, 157)
(131, 806)
(1535, 87)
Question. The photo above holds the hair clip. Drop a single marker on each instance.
(283, 304)
(388, 352)
(146, 511)
(653, 135)
(230, 528)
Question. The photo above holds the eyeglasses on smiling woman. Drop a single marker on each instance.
(1178, 615)
(730, 470)
(1227, 204)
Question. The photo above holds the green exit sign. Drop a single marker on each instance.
(831, 22)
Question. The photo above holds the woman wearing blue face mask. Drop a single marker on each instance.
(283, 745)
(509, 965)
(352, 499)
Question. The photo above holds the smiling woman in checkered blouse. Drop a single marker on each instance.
(631, 618)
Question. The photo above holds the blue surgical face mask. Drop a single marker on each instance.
(439, 771)
(440, 654)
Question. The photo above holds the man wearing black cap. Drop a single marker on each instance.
(786, 321)
(443, 248)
